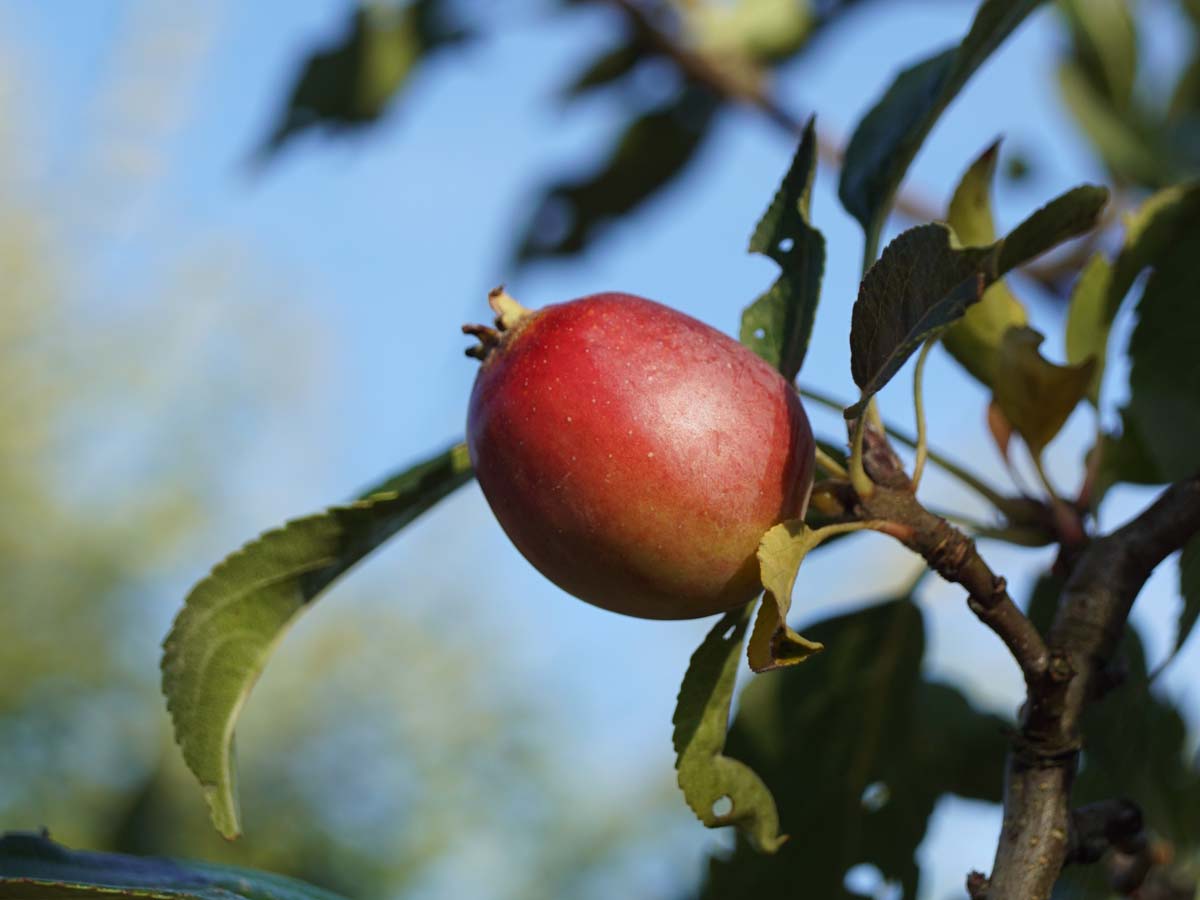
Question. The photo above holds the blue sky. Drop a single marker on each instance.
(373, 249)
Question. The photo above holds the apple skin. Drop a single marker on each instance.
(635, 456)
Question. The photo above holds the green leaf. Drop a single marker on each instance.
(1036, 396)
(975, 340)
(924, 282)
(1164, 377)
(1151, 233)
(858, 748)
(352, 82)
(1087, 320)
(706, 775)
(649, 154)
(1104, 39)
(32, 867)
(232, 620)
(773, 644)
(777, 326)
(1130, 150)
(889, 136)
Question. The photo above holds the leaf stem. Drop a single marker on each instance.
(861, 482)
(947, 465)
(829, 465)
(922, 449)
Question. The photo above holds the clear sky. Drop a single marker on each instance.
(375, 248)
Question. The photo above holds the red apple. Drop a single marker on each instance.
(634, 455)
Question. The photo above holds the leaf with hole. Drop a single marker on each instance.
(33, 867)
(858, 748)
(889, 136)
(925, 281)
(975, 340)
(777, 326)
(707, 777)
(232, 620)
(773, 644)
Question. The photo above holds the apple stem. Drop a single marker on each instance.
(508, 311)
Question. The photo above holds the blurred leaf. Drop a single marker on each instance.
(701, 719)
(857, 748)
(975, 340)
(777, 326)
(1125, 458)
(761, 31)
(1000, 428)
(352, 82)
(1136, 745)
(924, 282)
(1087, 322)
(606, 68)
(1129, 149)
(232, 620)
(1152, 232)
(889, 136)
(33, 867)
(1036, 396)
(1104, 39)
(773, 644)
(651, 152)
(1164, 377)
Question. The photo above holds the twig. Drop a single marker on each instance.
(974, 482)
(952, 555)
(1092, 613)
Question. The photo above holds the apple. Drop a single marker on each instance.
(634, 455)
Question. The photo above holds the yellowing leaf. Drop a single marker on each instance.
(1087, 321)
(706, 776)
(773, 644)
(1035, 395)
(974, 340)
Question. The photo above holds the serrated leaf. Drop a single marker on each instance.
(889, 136)
(1164, 376)
(1087, 320)
(232, 619)
(32, 867)
(858, 748)
(924, 282)
(975, 340)
(777, 326)
(352, 82)
(773, 644)
(651, 151)
(1035, 395)
(701, 720)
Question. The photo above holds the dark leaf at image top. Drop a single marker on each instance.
(353, 81)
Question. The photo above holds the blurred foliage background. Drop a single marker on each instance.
(395, 751)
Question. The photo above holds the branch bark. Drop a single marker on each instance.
(1037, 834)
